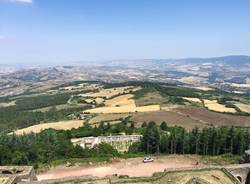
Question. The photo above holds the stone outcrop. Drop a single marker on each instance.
(17, 174)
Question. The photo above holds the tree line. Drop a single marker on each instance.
(205, 141)
(50, 145)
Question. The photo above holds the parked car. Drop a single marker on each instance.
(147, 159)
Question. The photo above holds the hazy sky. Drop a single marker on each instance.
(47, 31)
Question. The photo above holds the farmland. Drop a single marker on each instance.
(139, 101)
(61, 125)
(243, 107)
(215, 106)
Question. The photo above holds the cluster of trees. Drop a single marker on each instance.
(104, 128)
(206, 141)
(21, 114)
(52, 144)
(10, 118)
(45, 147)
(36, 102)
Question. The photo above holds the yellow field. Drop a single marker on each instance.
(215, 106)
(196, 100)
(111, 92)
(99, 100)
(243, 107)
(61, 125)
(123, 104)
(123, 100)
(7, 104)
(124, 109)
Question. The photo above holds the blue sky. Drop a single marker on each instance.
(64, 31)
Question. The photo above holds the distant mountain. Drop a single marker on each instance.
(234, 60)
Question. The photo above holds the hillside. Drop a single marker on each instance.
(95, 102)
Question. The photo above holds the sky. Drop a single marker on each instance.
(65, 31)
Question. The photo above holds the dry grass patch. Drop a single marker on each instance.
(243, 107)
(7, 104)
(124, 109)
(215, 106)
(61, 125)
(123, 100)
(196, 100)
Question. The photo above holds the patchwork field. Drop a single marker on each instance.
(123, 100)
(215, 106)
(143, 102)
(122, 104)
(191, 117)
(111, 92)
(62, 125)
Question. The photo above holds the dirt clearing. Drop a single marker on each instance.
(131, 167)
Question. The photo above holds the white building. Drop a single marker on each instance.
(119, 142)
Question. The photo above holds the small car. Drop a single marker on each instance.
(148, 159)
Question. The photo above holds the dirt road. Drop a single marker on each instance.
(131, 167)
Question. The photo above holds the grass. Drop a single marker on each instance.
(221, 159)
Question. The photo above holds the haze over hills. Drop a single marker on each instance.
(228, 72)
